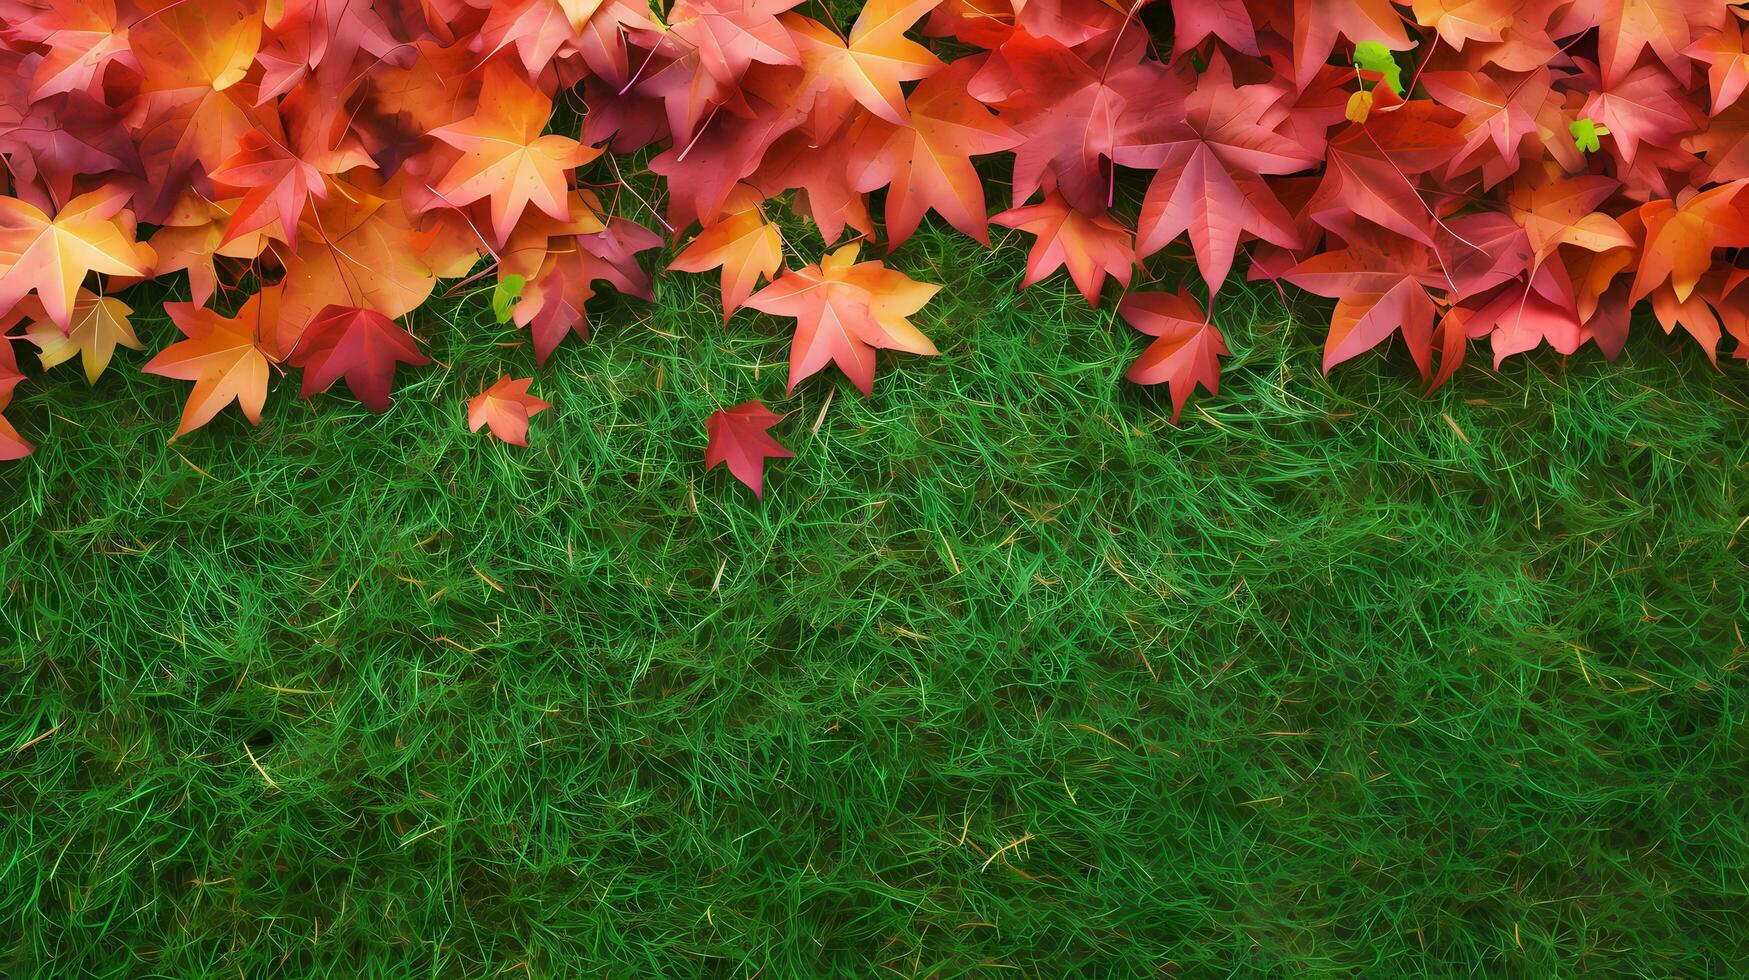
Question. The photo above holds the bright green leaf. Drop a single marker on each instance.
(1373, 56)
(505, 295)
(1585, 133)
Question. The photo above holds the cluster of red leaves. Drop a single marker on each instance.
(1448, 170)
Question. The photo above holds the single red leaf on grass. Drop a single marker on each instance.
(739, 438)
(506, 408)
(360, 345)
(1187, 348)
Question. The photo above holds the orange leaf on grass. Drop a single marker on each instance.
(845, 310)
(744, 244)
(506, 408)
(221, 355)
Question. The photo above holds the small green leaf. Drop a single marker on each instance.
(1373, 56)
(1585, 133)
(505, 295)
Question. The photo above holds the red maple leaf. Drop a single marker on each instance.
(739, 438)
(362, 346)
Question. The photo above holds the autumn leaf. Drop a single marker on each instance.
(275, 184)
(1208, 172)
(82, 40)
(1091, 248)
(221, 356)
(99, 324)
(846, 310)
(739, 438)
(12, 445)
(53, 256)
(506, 408)
(362, 346)
(871, 63)
(746, 247)
(1075, 118)
(1682, 235)
(1187, 348)
(926, 163)
(504, 156)
(731, 35)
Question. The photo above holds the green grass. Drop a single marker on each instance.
(1006, 676)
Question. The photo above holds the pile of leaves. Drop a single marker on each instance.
(1445, 170)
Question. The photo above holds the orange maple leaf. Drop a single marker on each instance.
(505, 157)
(743, 243)
(506, 408)
(52, 257)
(221, 355)
(845, 310)
(100, 323)
(1092, 247)
(869, 67)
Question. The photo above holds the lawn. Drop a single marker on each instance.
(1007, 675)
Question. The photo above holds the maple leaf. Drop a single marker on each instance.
(61, 138)
(926, 163)
(821, 174)
(1379, 282)
(1682, 234)
(702, 174)
(739, 438)
(195, 101)
(877, 56)
(360, 249)
(83, 39)
(12, 445)
(1625, 28)
(845, 310)
(1556, 211)
(1187, 348)
(1317, 24)
(1074, 119)
(505, 157)
(99, 324)
(221, 356)
(1727, 66)
(1644, 106)
(1208, 164)
(1371, 168)
(1461, 21)
(730, 35)
(1494, 118)
(1090, 247)
(53, 257)
(362, 346)
(275, 184)
(506, 408)
(1196, 20)
(553, 304)
(743, 244)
